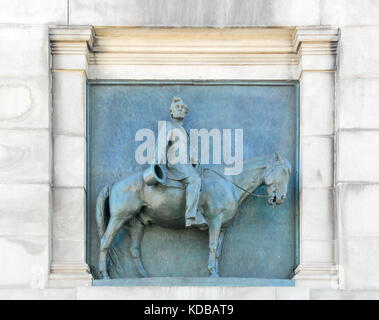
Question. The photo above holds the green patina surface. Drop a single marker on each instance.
(262, 242)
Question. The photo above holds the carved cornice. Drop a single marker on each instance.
(71, 40)
(193, 46)
(316, 40)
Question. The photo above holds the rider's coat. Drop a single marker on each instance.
(175, 134)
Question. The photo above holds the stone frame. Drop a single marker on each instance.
(305, 54)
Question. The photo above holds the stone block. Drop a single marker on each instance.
(317, 162)
(68, 251)
(200, 13)
(358, 52)
(35, 294)
(24, 261)
(358, 156)
(176, 293)
(24, 156)
(188, 72)
(352, 12)
(317, 103)
(24, 209)
(24, 51)
(317, 220)
(38, 11)
(358, 103)
(358, 209)
(317, 62)
(69, 102)
(360, 263)
(69, 213)
(24, 102)
(317, 251)
(72, 62)
(332, 294)
(69, 161)
(292, 293)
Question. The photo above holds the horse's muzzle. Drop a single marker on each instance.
(275, 200)
(272, 200)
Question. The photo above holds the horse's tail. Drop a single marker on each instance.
(100, 210)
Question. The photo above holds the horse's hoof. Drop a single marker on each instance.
(214, 275)
(104, 277)
(144, 275)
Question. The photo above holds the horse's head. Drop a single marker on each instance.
(276, 180)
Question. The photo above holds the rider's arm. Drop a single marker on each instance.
(162, 133)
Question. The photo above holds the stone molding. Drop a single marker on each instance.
(66, 275)
(70, 50)
(193, 46)
(318, 275)
(71, 40)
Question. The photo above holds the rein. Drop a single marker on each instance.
(236, 185)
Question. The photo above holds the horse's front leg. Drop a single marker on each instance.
(214, 233)
(219, 249)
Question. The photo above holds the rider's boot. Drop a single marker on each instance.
(197, 221)
(194, 217)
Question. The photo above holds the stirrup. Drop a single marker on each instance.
(198, 222)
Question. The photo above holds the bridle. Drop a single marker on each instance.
(267, 172)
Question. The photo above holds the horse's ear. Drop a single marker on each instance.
(289, 169)
(278, 157)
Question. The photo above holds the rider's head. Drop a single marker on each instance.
(178, 109)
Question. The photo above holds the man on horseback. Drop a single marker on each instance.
(184, 170)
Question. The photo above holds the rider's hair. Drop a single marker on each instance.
(175, 100)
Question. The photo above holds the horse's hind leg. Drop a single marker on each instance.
(113, 227)
(219, 249)
(214, 233)
(135, 229)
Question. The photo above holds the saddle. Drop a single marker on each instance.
(157, 174)
(172, 182)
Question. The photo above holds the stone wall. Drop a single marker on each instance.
(26, 123)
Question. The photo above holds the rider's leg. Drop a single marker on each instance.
(193, 185)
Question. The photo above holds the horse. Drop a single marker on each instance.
(133, 204)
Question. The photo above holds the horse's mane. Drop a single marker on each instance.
(267, 161)
(261, 160)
